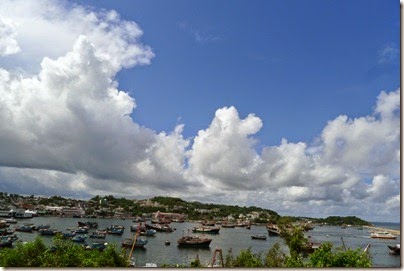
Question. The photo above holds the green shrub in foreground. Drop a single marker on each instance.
(64, 253)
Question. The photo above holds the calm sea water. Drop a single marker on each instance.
(235, 239)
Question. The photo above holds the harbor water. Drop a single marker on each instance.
(236, 239)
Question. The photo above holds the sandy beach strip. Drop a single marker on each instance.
(395, 232)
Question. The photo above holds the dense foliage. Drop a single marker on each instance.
(298, 255)
(63, 253)
(324, 257)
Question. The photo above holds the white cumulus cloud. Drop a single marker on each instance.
(65, 128)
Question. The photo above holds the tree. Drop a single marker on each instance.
(275, 257)
(324, 257)
(294, 239)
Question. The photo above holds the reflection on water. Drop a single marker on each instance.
(236, 239)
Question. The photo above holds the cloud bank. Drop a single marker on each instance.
(65, 129)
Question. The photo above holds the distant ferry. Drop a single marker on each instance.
(383, 235)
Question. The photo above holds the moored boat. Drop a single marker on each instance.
(226, 224)
(25, 228)
(81, 230)
(160, 228)
(7, 241)
(89, 224)
(148, 232)
(206, 229)
(258, 237)
(194, 241)
(6, 231)
(128, 242)
(116, 229)
(98, 234)
(67, 235)
(273, 230)
(11, 220)
(79, 238)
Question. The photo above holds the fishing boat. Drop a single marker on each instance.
(6, 231)
(7, 241)
(160, 228)
(89, 224)
(25, 228)
(79, 239)
(11, 220)
(394, 250)
(41, 227)
(167, 242)
(258, 237)
(194, 241)
(116, 229)
(206, 229)
(382, 235)
(148, 232)
(81, 230)
(273, 230)
(128, 242)
(67, 235)
(139, 227)
(98, 234)
(226, 224)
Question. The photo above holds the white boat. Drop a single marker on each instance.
(11, 220)
(382, 235)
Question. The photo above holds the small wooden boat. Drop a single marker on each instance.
(167, 242)
(258, 237)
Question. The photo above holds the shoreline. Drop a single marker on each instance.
(395, 232)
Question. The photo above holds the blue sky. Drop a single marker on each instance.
(288, 105)
(295, 64)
